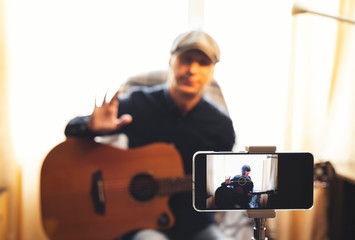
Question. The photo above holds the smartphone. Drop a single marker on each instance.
(225, 181)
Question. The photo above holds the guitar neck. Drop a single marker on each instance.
(169, 186)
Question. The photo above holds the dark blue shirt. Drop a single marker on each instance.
(157, 119)
(245, 183)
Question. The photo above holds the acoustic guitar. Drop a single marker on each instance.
(91, 190)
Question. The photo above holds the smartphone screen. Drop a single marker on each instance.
(240, 181)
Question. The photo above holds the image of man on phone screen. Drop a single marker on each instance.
(235, 192)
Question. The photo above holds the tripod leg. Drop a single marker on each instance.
(259, 229)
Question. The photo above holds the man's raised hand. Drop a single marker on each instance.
(104, 118)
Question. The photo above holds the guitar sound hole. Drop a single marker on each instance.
(143, 187)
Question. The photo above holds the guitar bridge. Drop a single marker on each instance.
(97, 192)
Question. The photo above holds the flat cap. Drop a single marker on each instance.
(196, 40)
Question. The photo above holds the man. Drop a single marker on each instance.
(176, 113)
(244, 181)
(235, 192)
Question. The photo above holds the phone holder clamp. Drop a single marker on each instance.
(260, 216)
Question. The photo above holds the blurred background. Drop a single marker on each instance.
(288, 80)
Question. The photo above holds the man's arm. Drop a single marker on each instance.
(78, 127)
(103, 120)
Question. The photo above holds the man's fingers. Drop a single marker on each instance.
(123, 120)
(114, 98)
(95, 105)
(104, 100)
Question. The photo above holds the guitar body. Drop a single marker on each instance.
(94, 191)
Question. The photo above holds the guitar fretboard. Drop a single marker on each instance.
(172, 185)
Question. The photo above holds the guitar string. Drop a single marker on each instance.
(127, 185)
(166, 185)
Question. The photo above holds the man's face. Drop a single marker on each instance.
(246, 173)
(192, 71)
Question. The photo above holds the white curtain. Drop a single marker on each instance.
(270, 173)
(339, 138)
(321, 96)
(60, 54)
(321, 105)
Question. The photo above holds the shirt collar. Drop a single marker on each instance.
(172, 105)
